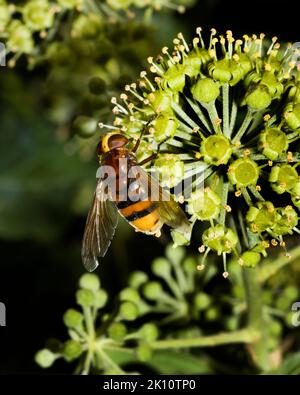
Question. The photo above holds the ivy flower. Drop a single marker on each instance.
(224, 113)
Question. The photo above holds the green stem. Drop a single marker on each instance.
(184, 116)
(87, 362)
(233, 116)
(199, 113)
(272, 267)
(246, 196)
(225, 100)
(256, 194)
(224, 197)
(213, 116)
(89, 322)
(243, 128)
(258, 348)
(241, 336)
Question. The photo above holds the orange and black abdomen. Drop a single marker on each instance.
(142, 215)
(140, 212)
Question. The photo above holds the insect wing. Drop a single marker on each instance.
(170, 211)
(99, 229)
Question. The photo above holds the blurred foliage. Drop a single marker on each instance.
(38, 177)
(176, 307)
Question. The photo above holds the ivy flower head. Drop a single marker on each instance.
(225, 112)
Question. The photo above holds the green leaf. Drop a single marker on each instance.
(173, 362)
(166, 362)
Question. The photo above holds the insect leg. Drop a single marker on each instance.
(137, 144)
(153, 156)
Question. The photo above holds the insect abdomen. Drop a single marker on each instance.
(142, 215)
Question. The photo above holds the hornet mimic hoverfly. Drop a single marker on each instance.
(127, 193)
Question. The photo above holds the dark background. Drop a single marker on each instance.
(40, 231)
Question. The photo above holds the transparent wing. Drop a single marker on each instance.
(99, 229)
(170, 211)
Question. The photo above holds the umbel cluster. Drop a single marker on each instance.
(230, 110)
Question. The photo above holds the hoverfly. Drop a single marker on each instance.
(144, 212)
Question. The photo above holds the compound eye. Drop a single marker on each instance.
(117, 141)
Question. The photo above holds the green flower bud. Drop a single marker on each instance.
(149, 332)
(85, 126)
(202, 301)
(72, 350)
(243, 172)
(144, 352)
(283, 178)
(97, 86)
(192, 63)
(174, 78)
(89, 281)
(261, 217)
(291, 292)
(117, 331)
(273, 143)
(45, 358)
(205, 90)
(100, 298)
(189, 265)
(245, 63)
(128, 311)
(226, 70)
(175, 255)
(289, 319)
(160, 101)
(292, 116)
(130, 295)
(179, 238)
(250, 258)
(169, 169)
(216, 150)
(220, 239)
(137, 279)
(165, 126)
(161, 267)
(20, 38)
(85, 297)
(212, 314)
(286, 220)
(232, 323)
(152, 290)
(283, 303)
(73, 319)
(38, 15)
(275, 87)
(275, 328)
(87, 26)
(204, 204)
(258, 97)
